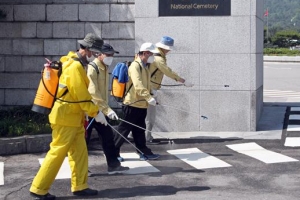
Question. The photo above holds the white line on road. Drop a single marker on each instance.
(293, 127)
(255, 151)
(295, 108)
(292, 142)
(64, 171)
(294, 117)
(132, 160)
(1, 173)
(198, 159)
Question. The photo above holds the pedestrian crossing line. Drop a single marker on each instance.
(295, 108)
(293, 127)
(1, 173)
(198, 159)
(64, 171)
(292, 142)
(294, 117)
(281, 94)
(255, 151)
(132, 160)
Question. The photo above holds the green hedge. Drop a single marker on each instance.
(281, 52)
(18, 121)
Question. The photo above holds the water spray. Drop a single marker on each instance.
(169, 140)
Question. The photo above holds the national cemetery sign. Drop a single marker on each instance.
(194, 8)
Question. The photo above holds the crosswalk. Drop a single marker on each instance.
(289, 95)
(193, 157)
(293, 128)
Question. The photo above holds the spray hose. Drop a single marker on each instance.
(59, 98)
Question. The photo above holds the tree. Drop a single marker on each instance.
(285, 38)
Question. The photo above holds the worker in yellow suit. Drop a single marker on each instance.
(67, 123)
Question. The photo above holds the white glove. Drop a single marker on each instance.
(112, 115)
(154, 93)
(101, 118)
(152, 101)
(188, 84)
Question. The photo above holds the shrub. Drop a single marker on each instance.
(21, 120)
(281, 52)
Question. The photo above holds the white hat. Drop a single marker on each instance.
(148, 47)
(166, 42)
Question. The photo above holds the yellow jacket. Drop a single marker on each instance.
(160, 63)
(139, 76)
(98, 86)
(73, 79)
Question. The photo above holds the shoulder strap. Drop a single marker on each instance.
(94, 66)
(77, 59)
(132, 83)
(157, 54)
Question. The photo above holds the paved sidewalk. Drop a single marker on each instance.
(281, 58)
(269, 127)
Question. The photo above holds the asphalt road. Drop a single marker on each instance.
(245, 178)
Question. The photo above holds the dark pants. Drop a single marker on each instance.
(135, 116)
(108, 145)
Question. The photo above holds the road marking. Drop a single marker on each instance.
(255, 151)
(292, 142)
(293, 127)
(1, 173)
(64, 171)
(198, 159)
(295, 108)
(294, 117)
(132, 160)
(281, 94)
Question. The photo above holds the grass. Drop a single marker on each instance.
(281, 52)
(19, 121)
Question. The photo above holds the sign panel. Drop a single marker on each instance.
(194, 8)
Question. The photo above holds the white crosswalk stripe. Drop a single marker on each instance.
(1, 173)
(64, 171)
(198, 159)
(293, 141)
(255, 151)
(293, 127)
(136, 165)
(192, 156)
(294, 117)
(282, 94)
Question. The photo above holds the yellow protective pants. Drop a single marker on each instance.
(65, 140)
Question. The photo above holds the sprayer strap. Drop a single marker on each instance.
(132, 83)
(94, 66)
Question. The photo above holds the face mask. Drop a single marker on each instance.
(90, 59)
(150, 59)
(108, 60)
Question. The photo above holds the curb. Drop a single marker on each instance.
(25, 144)
(281, 58)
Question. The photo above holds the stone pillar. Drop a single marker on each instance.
(221, 55)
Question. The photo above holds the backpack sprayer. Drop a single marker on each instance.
(45, 95)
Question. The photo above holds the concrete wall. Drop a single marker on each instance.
(210, 51)
(35, 29)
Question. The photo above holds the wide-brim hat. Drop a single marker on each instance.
(108, 49)
(166, 42)
(92, 42)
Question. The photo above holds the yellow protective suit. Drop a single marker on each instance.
(67, 129)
